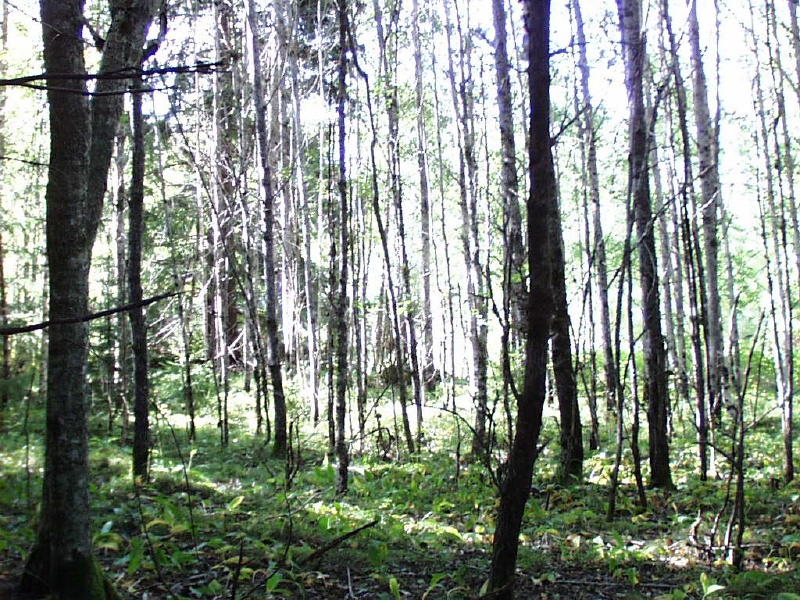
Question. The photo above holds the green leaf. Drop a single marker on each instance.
(437, 577)
(273, 582)
(394, 587)
(136, 555)
(234, 504)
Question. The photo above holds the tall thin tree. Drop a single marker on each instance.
(656, 390)
(274, 358)
(82, 135)
(516, 485)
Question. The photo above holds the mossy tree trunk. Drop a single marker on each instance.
(82, 133)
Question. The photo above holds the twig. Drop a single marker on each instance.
(335, 542)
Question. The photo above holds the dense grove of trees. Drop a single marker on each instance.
(307, 210)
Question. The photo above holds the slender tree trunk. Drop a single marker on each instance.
(340, 311)
(514, 257)
(430, 373)
(463, 104)
(785, 172)
(707, 142)
(388, 53)
(5, 360)
(514, 273)
(774, 236)
(656, 391)
(692, 260)
(121, 367)
(141, 383)
(571, 434)
(515, 487)
(274, 357)
(81, 143)
(599, 248)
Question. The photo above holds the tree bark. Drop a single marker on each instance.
(274, 358)
(599, 246)
(5, 361)
(571, 434)
(516, 485)
(656, 392)
(340, 311)
(81, 143)
(141, 383)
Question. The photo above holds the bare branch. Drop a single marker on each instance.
(85, 318)
(30, 80)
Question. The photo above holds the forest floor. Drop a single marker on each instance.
(234, 523)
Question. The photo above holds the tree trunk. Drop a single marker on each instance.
(340, 310)
(463, 101)
(81, 142)
(696, 280)
(707, 142)
(599, 247)
(656, 392)
(571, 434)
(274, 357)
(430, 374)
(5, 361)
(516, 485)
(141, 383)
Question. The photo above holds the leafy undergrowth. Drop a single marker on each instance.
(234, 523)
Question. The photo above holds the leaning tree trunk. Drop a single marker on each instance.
(516, 486)
(81, 142)
(656, 392)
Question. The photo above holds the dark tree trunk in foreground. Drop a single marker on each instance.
(141, 383)
(656, 393)
(516, 486)
(340, 311)
(81, 141)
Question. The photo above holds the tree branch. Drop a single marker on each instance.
(90, 317)
(30, 80)
(335, 542)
